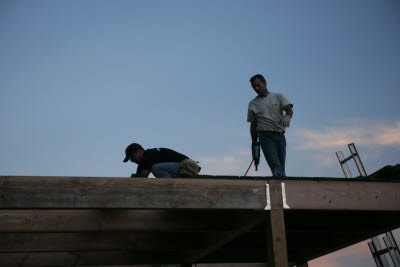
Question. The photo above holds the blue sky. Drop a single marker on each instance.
(80, 80)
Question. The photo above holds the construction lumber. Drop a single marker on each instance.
(139, 193)
(276, 234)
(83, 220)
(117, 193)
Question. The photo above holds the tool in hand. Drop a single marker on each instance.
(255, 150)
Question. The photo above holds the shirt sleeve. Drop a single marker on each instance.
(285, 101)
(251, 116)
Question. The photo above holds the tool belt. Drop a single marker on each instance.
(189, 168)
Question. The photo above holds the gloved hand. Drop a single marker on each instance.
(286, 121)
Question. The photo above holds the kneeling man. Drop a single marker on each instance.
(162, 162)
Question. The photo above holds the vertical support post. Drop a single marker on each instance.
(275, 224)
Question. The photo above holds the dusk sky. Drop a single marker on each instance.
(81, 80)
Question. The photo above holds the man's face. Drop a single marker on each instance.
(137, 156)
(260, 87)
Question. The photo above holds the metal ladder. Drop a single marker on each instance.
(375, 247)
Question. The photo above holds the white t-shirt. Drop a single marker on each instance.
(267, 112)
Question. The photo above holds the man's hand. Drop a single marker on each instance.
(143, 174)
(286, 121)
(138, 175)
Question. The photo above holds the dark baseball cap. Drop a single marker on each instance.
(132, 148)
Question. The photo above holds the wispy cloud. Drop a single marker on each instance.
(235, 163)
(220, 165)
(311, 152)
(357, 255)
(361, 132)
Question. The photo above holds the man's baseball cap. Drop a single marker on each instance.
(132, 148)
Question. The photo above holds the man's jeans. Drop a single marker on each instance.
(273, 145)
(166, 169)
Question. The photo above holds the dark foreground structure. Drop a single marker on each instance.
(82, 221)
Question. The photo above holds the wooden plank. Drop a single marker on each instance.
(103, 258)
(342, 195)
(122, 220)
(84, 193)
(276, 239)
(97, 258)
(209, 242)
(92, 241)
(276, 235)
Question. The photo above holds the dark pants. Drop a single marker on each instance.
(273, 145)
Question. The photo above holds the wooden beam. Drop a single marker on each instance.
(89, 192)
(128, 257)
(97, 258)
(95, 193)
(342, 195)
(92, 241)
(276, 235)
(122, 220)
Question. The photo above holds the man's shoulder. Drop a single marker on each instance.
(164, 149)
(254, 100)
(152, 150)
(276, 94)
(279, 97)
(150, 153)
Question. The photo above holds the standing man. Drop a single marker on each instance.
(268, 123)
(162, 162)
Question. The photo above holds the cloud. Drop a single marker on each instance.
(356, 255)
(219, 165)
(364, 133)
(311, 152)
(235, 163)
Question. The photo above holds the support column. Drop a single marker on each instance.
(276, 234)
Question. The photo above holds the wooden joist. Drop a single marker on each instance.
(139, 193)
(122, 220)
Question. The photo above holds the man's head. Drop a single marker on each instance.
(134, 152)
(259, 84)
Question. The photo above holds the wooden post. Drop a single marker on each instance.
(276, 235)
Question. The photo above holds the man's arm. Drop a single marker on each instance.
(288, 110)
(253, 132)
(143, 173)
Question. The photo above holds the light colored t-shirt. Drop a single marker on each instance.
(267, 112)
